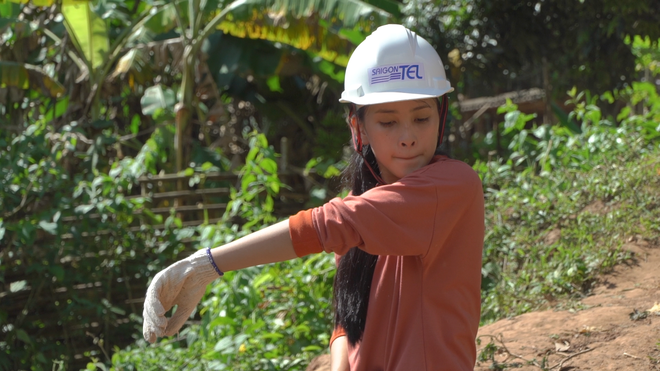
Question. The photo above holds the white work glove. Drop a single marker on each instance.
(182, 283)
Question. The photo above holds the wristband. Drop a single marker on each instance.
(208, 253)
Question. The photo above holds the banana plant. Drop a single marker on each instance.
(89, 33)
(23, 75)
(329, 29)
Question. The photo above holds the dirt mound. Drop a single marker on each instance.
(616, 330)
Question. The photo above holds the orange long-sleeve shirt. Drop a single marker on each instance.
(428, 230)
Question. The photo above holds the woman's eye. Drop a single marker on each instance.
(388, 123)
(423, 119)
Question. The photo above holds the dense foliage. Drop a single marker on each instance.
(509, 45)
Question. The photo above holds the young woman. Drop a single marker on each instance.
(408, 239)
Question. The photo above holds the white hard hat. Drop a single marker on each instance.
(393, 64)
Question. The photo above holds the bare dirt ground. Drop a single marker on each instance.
(618, 329)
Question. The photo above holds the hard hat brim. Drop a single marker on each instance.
(389, 97)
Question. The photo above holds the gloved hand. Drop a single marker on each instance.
(182, 283)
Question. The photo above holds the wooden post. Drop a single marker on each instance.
(284, 148)
(547, 87)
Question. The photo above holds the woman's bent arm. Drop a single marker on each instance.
(269, 245)
(339, 354)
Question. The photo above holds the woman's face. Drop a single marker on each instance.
(403, 135)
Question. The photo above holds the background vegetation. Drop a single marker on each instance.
(97, 96)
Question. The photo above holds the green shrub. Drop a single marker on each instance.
(560, 206)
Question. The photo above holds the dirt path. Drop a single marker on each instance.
(604, 336)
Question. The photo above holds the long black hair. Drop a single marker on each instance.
(355, 271)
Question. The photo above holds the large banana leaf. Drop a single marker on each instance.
(327, 28)
(25, 76)
(8, 10)
(34, 2)
(88, 31)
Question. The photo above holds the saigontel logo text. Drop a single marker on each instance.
(393, 72)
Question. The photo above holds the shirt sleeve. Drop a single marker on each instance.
(393, 219)
(336, 333)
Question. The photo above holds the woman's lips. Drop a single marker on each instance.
(407, 158)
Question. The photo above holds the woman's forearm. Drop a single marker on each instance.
(269, 245)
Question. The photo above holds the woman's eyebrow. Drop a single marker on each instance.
(420, 107)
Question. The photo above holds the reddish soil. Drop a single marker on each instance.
(615, 330)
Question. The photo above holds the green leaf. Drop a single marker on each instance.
(83, 209)
(312, 348)
(88, 32)
(274, 186)
(262, 279)
(269, 165)
(221, 321)
(9, 10)
(23, 336)
(246, 181)
(156, 98)
(564, 120)
(608, 97)
(187, 172)
(273, 83)
(164, 20)
(117, 310)
(207, 166)
(48, 227)
(252, 155)
(223, 344)
(35, 2)
(25, 76)
(56, 112)
(17, 286)
(135, 124)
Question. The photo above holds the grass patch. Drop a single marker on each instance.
(549, 237)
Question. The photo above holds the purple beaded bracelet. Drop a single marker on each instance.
(208, 253)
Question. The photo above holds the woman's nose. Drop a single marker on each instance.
(407, 138)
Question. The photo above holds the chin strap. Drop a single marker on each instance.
(444, 109)
(376, 176)
(357, 145)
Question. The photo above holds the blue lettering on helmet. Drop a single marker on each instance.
(400, 72)
(413, 69)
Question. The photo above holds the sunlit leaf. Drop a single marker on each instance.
(269, 165)
(261, 280)
(48, 227)
(88, 31)
(155, 98)
(274, 83)
(17, 286)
